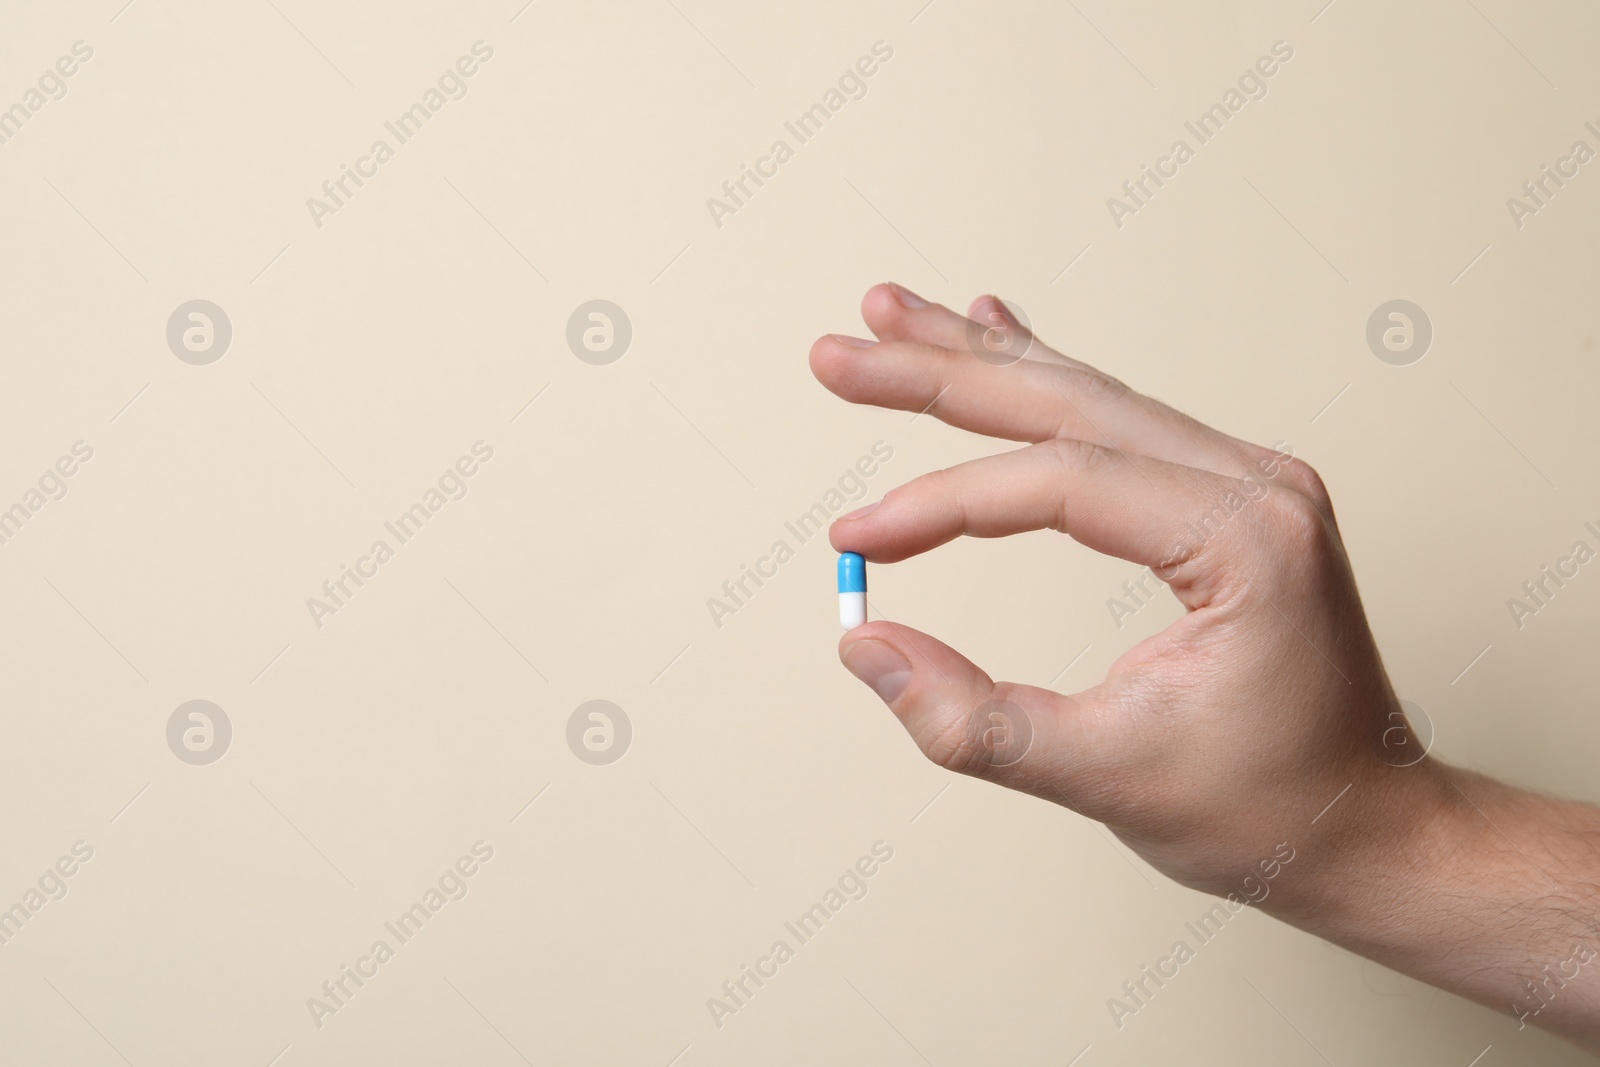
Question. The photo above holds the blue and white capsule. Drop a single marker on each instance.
(852, 590)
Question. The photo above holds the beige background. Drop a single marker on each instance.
(368, 354)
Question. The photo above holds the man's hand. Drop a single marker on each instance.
(1263, 716)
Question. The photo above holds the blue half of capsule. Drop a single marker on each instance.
(852, 573)
(852, 590)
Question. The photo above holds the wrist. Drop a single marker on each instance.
(1465, 883)
(1372, 862)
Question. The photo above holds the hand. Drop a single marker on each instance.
(1261, 721)
(1207, 745)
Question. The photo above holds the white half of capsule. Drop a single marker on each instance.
(852, 609)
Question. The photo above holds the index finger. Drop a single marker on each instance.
(1163, 515)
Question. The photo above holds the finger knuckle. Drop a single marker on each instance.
(939, 484)
(1282, 468)
(1097, 384)
(1072, 456)
(1297, 522)
(1307, 481)
(956, 745)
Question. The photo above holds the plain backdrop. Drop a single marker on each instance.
(375, 341)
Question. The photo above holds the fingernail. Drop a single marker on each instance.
(853, 342)
(996, 306)
(907, 298)
(860, 512)
(880, 666)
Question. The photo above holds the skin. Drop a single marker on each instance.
(1261, 717)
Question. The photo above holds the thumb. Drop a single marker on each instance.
(1019, 736)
